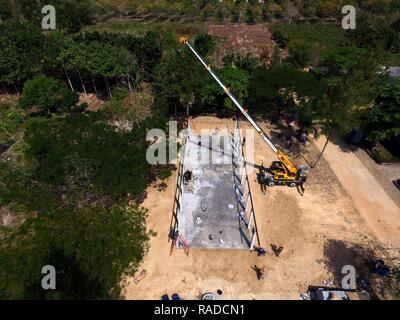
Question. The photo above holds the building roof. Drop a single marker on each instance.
(393, 72)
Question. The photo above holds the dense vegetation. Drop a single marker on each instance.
(76, 13)
(72, 181)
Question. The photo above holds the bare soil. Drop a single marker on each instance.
(93, 102)
(320, 232)
(244, 39)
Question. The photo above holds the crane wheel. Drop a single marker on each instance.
(271, 183)
(292, 184)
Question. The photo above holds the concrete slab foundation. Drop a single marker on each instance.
(209, 209)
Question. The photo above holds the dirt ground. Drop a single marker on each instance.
(380, 211)
(328, 227)
(93, 102)
(244, 39)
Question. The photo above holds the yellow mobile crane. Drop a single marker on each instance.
(281, 172)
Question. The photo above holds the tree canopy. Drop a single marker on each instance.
(47, 94)
(382, 121)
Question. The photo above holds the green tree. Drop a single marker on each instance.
(5, 10)
(90, 249)
(103, 60)
(211, 95)
(349, 90)
(20, 52)
(393, 44)
(275, 90)
(249, 16)
(178, 79)
(247, 63)
(71, 14)
(74, 14)
(150, 53)
(204, 44)
(47, 94)
(300, 53)
(370, 31)
(382, 121)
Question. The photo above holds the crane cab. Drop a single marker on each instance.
(278, 174)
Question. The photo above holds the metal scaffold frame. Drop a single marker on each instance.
(245, 208)
(176, 237)
(242, 189)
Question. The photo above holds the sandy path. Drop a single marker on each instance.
(378, 209)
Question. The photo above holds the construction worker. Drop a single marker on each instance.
(174, 234)
(261, 251)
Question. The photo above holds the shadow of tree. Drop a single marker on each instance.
(279, 132)
(338, 253)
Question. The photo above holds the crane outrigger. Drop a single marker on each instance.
(281, 172)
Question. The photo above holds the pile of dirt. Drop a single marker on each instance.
(93, 102)
(244, 39)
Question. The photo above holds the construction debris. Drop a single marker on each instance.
(188, 181)
(141, 276)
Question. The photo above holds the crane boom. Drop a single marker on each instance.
(281, 156)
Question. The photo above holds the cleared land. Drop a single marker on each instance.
(320, 232)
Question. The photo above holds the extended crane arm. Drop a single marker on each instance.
(281, 156)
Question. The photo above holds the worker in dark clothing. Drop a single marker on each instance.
(261, 251)
(262, 179)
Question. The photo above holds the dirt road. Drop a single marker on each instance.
(378, 209)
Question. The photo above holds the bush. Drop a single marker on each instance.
(280, 38)
(114, 162)
(11, 118)
(204, 44)
(48, 94)
(90, 249)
